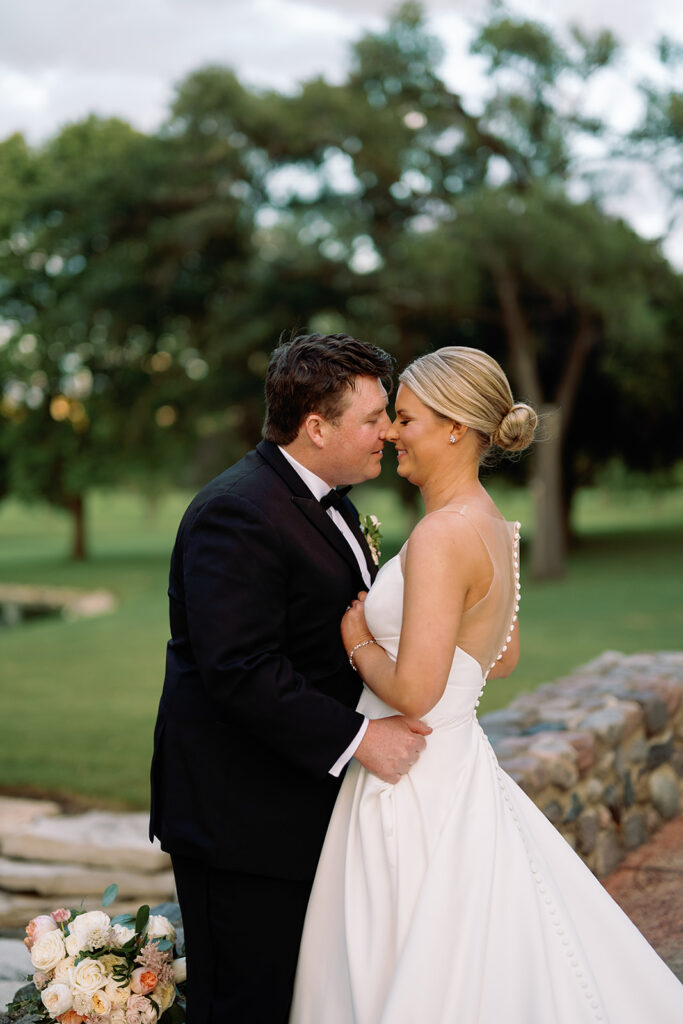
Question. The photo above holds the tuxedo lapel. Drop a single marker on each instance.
(311, 507)
(353, 522)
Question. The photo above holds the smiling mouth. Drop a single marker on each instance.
(400, 452)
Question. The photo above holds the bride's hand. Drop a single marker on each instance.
(354, 629)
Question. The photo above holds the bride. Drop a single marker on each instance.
(448, 898)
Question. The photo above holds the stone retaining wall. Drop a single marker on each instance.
(600, 751)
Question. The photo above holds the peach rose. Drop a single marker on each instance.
(70, 1017)
(36, 927)
(142, 981)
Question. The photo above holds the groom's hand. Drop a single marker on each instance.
(391, 746)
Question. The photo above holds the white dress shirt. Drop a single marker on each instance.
(319, 488)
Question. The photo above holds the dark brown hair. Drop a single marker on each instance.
(314, 373)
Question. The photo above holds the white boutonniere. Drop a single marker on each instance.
(370, 529)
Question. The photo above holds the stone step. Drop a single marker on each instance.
(106, 839)
(16, 814)
(17, 909)
(7, 990)
(56, 880)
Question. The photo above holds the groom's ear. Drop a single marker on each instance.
(315, 427)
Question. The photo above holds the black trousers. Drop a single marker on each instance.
(242, 936)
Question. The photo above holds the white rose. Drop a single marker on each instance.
(56, 998)
(159, 927)
(64, 970)
(89, 975)
(73, 945)
(163, 996)
(91, 930)
(48, 950)
(120, 935)
(179, 970)
(82, 1003)
(118, 1016)
(118, 994)
(101, 1003)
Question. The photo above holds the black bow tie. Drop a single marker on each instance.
(334, 498)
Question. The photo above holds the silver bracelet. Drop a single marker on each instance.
(363, 643)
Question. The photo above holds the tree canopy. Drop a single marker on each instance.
(144, 278)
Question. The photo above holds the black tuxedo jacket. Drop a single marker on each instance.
(259, 697)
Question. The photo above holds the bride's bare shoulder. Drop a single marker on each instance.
(441, 535)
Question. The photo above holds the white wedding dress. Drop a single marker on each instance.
(449, 898)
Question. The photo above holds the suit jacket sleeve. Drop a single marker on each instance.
(235, 584)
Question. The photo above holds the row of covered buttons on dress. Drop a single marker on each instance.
(580, 972)
(515, 562)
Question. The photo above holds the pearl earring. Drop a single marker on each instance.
(451, 439)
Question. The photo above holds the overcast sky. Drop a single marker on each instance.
(61, 60)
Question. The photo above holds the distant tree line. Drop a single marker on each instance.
(145, 278)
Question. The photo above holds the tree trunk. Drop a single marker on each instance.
(547, 543)
(76, 506)
(548, 546)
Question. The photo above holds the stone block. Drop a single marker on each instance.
(660, 752)
(636, 752)
(655, 710)
(587, 829)
(58, 880)
(584, 745)
(528, 772)
(510, 746)
(633, 830)
(559, 757)
(554, 811)
(16, 813)
(608, 723)
(664, 791)
(97, 838)
(669, 690)
(608, 853)
(593, 791)
(604, 768)
(506, 721)
(653, 820)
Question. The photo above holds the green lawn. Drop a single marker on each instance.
(79, 698)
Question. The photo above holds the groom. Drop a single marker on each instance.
(256, 721)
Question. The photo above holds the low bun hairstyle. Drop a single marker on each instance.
(468, 386)
(516, 429)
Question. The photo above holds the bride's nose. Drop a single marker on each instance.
(391, 433)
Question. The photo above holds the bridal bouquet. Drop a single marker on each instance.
(93, 969)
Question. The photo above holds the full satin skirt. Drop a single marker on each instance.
(450, 899)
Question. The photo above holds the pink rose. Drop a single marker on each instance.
(37, 927)
(61, 915)
(142, 981)
(141, 1010)
(40, 979)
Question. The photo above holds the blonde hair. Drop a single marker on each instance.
(468, 386)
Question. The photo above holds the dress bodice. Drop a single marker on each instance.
(485, 628)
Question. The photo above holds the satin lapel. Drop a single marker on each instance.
(317, 515)
(306, 503)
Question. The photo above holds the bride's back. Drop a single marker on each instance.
(485, 627)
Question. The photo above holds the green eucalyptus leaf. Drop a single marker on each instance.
(110, 894)
(141, 918)
(127, 920)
